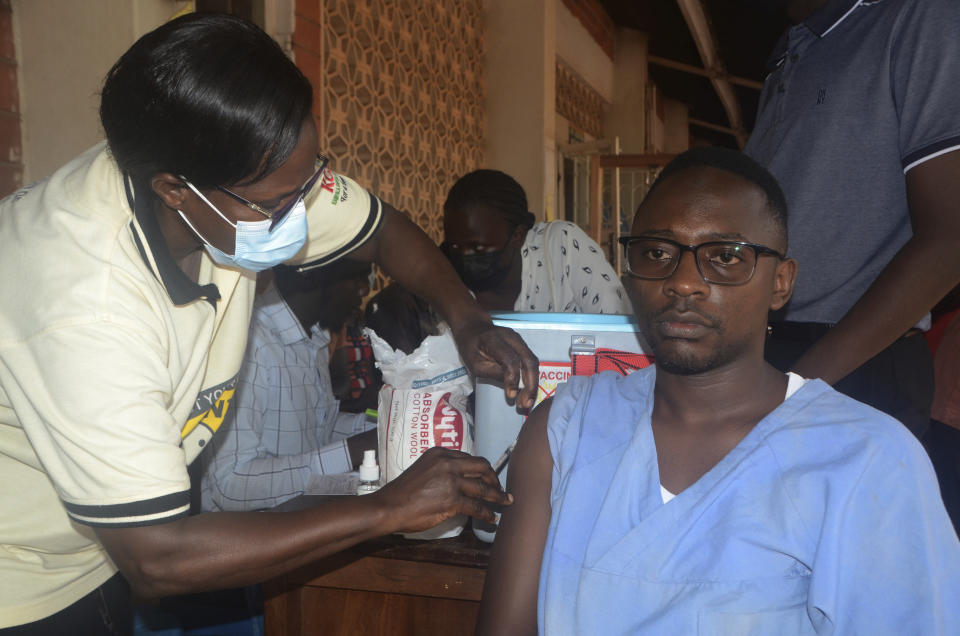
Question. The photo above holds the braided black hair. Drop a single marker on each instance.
(493, 189)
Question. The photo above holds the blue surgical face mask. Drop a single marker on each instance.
(256, 246)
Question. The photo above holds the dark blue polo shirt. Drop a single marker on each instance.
(859, 93)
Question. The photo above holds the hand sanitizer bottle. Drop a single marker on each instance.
(369, 473)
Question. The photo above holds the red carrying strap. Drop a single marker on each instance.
(623, 362)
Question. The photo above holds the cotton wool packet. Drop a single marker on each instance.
(423, 403)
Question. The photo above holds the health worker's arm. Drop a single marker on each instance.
(922, 272)
(112, 449)
(229, 549)
(509, 604)
(409, 256)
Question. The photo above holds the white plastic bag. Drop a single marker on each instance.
(423, 403)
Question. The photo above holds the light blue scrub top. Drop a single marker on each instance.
(825, 519)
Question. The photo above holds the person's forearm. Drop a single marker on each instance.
(429, 276)
(219, 552)
(227, 549)
(921, 273)
(411, 258)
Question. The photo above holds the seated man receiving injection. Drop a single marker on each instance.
(711, 493)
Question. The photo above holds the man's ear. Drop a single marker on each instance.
(783, 279)
(170, 188)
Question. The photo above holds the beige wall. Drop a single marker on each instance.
(676, 126)
(519, 67)
(627, 115)
(577, 48)
(524, 40)
(668, 122)
(65, 49)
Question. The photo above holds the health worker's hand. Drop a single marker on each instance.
(501, 354)
(441, 484)
(409, 256)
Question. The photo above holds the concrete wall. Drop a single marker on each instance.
(676, 128)
(523, 42)
(11, 146)
(627, 118)
(65, 49)
(583, 54)
(521, 84)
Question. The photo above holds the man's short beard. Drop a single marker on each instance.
(687, 363)
(690, 365)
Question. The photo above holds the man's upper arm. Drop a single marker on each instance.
(924, 67)
(933, 191)
(509, 603)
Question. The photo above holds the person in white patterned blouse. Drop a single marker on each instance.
(512, 263)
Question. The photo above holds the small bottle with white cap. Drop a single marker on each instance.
(369, 473)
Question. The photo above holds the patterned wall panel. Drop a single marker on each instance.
(401, 90)
(578, 102)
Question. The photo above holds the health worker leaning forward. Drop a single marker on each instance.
(126, 294)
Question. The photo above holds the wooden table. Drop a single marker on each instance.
(388, 586)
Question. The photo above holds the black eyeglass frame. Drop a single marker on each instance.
(277, 215)
(758, 251)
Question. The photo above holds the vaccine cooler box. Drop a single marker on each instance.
(554, 338)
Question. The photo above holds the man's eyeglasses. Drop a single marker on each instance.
(719, 262)
(277, 215)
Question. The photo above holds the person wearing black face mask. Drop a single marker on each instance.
(487, 270)
(512, 263)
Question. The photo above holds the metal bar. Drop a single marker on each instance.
(584, 147)
(596, 206)
(656, 60)
(711, 126)
(696, 19)
(646, 160)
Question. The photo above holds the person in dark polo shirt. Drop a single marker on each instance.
(859, 122)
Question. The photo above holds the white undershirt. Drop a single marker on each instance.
(794, 382)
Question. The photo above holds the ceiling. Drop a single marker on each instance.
(745, 32)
